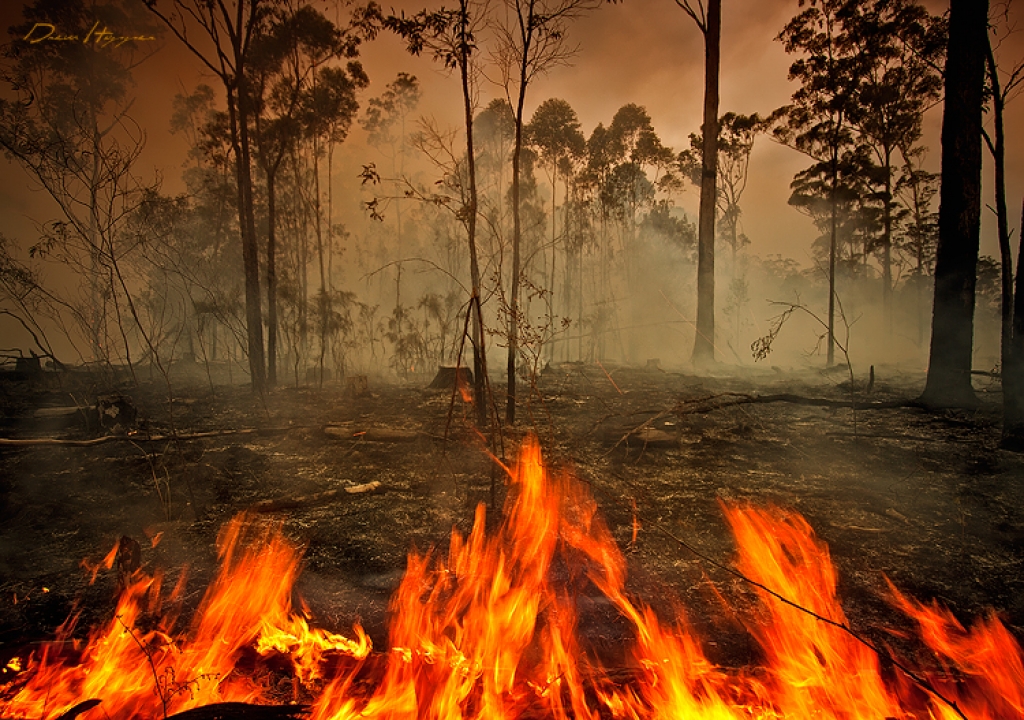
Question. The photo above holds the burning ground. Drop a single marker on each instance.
(540, 611)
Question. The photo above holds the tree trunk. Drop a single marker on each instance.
(949, 362)
(887, 243)
(1013, 369)
(513, 309)
(704, 341)
(271, 281)
(479, 351)
(998, 150)
(250, 253)
(832, 248)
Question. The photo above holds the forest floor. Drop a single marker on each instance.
(926, 499)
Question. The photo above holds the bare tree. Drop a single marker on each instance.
(531, 39)
(68, 126)
(451, 36)
(1002, 87)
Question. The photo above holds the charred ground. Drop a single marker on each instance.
(926, 499)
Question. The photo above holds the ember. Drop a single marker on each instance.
(488, 633)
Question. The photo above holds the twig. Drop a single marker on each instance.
(149, 660)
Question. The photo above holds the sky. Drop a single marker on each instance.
(647, 52)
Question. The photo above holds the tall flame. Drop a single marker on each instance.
(491, 632)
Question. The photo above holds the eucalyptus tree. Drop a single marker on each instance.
(386, 121)
(65, 121)
(532, 37)
(901, 48)
(494, 130)
(916, 239)
(328, 106)
(709, 21)
(736, 135)
(221, 33)
(284, 67)
(817, 122)
(1002, 86)
(956, 261)
(450, 35)
(554, 131)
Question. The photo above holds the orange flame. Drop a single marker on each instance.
(490, 632)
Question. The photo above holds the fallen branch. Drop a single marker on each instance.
(30, 442)
(320, 498)
(709, 404)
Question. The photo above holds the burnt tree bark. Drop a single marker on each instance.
(710, 24)
(949, 361)
(1013, 370)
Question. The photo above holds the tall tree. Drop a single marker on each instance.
(554, 131)
(451, 36)
(285, 59)
(385, 120)
(817, 123)
(1001, 87)
(228, 29)
(736, 135)
(949, 361)
(531, 40)
(1013, 370)
(709, 20)
(901, 48)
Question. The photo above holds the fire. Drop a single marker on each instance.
(490, 632)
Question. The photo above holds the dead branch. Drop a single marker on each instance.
(30, 442)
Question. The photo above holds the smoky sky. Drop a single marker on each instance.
(647, 52)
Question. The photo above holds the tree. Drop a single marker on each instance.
(385, 121)
(451, 36)
(1000, 89)
(1013, 370)
(229, 30)
(900, 47)
(67, 125)
(285, 61)
(709, 21)
(949, 361)
(1002, 86)
(817, 123)
(328, 107)
(554, 131)
(736, 135)
(531, 40)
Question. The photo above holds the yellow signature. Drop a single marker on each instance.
(97, 36)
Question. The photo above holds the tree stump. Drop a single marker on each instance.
(447, 374)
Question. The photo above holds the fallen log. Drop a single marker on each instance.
(713, 402)
(241, 711)
(320, 498)
(30, 442)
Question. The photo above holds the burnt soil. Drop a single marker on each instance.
(926, 499)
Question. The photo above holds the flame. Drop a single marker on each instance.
(490, 632)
